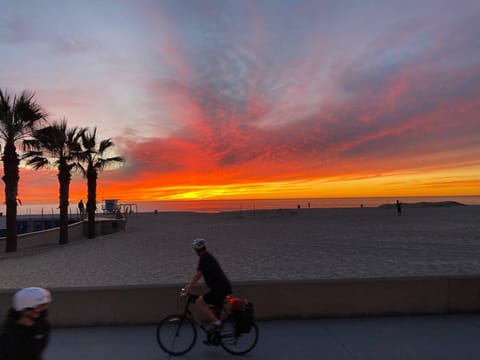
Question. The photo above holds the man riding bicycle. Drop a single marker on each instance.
(217, 282)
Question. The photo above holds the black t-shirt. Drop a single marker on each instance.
(213, 274)
(18, 342)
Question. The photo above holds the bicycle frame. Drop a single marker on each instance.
(191, 298)
(177, 333)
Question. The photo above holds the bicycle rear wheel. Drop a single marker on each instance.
(238, 343)
(176, 334)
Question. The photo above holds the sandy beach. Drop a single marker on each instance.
(262, 245)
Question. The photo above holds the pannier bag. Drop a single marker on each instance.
(242, 314)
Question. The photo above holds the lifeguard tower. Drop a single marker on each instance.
(110, 206)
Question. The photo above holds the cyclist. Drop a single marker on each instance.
(25, 333)
(217, 282)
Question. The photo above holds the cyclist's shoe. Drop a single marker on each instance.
(214, 329)
(213, 338)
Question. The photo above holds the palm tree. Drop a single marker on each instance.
(95, 160)
(58, 146)
(18, 118)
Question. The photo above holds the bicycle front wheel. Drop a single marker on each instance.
(238, 343)
(176, 334)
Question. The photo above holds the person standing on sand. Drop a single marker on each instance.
(399, 208)
(217, 282)
(25, 333)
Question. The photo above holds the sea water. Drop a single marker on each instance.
(213, 206)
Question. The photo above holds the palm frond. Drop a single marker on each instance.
(60, 146)
(19, 115)
(105, 145)
(93, 156)
(32, 154)
(30, 144)
(38, 162)
(102, 163)
(28, 110)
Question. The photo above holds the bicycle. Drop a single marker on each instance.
(177, 333)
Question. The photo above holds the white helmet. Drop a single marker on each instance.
(30, 297)
(199, 243)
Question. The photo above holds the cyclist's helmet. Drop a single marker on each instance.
(30, 297)
(199, 243)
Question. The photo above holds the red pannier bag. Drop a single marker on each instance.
(242, 314)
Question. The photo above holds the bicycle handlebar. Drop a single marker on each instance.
(193, 297)
(189, 297)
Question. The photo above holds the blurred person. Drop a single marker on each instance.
(81, 209)
(25, 332)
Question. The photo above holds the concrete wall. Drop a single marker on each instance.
(76, 231)
(108, 226)
(130, 305)
(49, 237)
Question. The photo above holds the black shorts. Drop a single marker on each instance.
(215, 297)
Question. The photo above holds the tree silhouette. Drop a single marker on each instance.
(94, 159)
(57, 146)
(18, 118)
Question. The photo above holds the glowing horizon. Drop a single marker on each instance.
(242, 99)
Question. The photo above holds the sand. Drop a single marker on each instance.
(262, 245)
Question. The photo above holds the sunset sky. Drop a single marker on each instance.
(256, 99)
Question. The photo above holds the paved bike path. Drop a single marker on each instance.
(404, 337)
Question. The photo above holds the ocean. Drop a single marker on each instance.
(213, 206)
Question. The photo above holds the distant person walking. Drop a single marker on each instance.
(399, 208)
(25, 333)
(81, 208)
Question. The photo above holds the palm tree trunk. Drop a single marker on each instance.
(10, 166)
(92, 201)
(64, 178)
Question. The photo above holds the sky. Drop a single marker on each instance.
(231, 99)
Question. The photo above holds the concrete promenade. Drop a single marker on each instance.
(455, 337)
